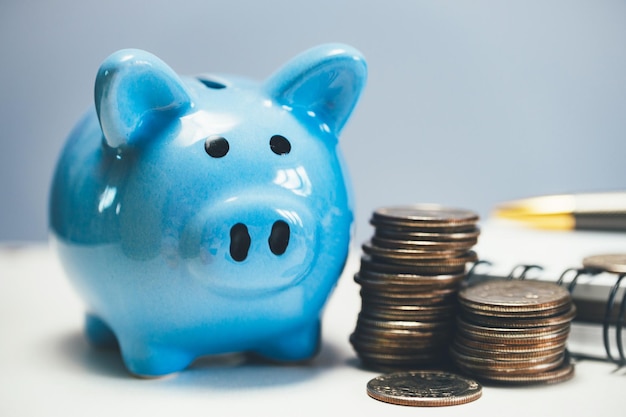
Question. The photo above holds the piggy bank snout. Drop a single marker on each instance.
(240, 240)
(249, 244)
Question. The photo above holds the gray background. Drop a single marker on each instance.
(467, 103)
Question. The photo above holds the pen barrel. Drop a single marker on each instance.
(611, 221)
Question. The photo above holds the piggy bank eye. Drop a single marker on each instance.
(216, 146)
(280, 145)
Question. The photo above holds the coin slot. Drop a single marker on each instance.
(212, 84)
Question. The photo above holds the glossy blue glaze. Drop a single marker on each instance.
(207, 215)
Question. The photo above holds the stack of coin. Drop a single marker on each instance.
(514, 332)
(410, 274)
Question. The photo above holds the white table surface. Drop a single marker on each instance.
(47, 368)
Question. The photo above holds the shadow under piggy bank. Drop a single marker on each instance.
(220, 372)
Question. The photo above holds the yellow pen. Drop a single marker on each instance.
(605, 211)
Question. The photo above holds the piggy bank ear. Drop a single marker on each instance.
(137, 94)
(324, 83)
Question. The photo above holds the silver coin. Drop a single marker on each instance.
(515, 296)
(430, 215)
(506, 369)
(563, 373)
(410, 261)
(519, 321)
(424, 388)
(494, 353)
(614, 263)
(408, 234)
(423, 245)
(371, 264)
(408, 282)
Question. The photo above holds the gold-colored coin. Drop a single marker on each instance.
(424, 388)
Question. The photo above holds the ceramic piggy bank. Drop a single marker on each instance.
(206, 215)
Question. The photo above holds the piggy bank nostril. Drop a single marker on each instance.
(239, 242)
(279, 238)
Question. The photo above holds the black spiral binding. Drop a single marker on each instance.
(520, 272)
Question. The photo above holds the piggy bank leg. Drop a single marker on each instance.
(146, 360)
(141, 359)
(98, 333)
(300, 344)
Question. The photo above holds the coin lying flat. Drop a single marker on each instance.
(563, 373)
(493, 352)
(504, 332)
(409, 253)
(494, 347)
(508, 367)
(445, 267)
(514, 320)
(423, 245)
(373, 278)
(515, 296)
(615, 263)
(469, 236)
(424, 215)
(456, 262)
(420, 313)
(424, 388)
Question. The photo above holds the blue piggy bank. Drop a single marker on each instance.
(206, 215)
